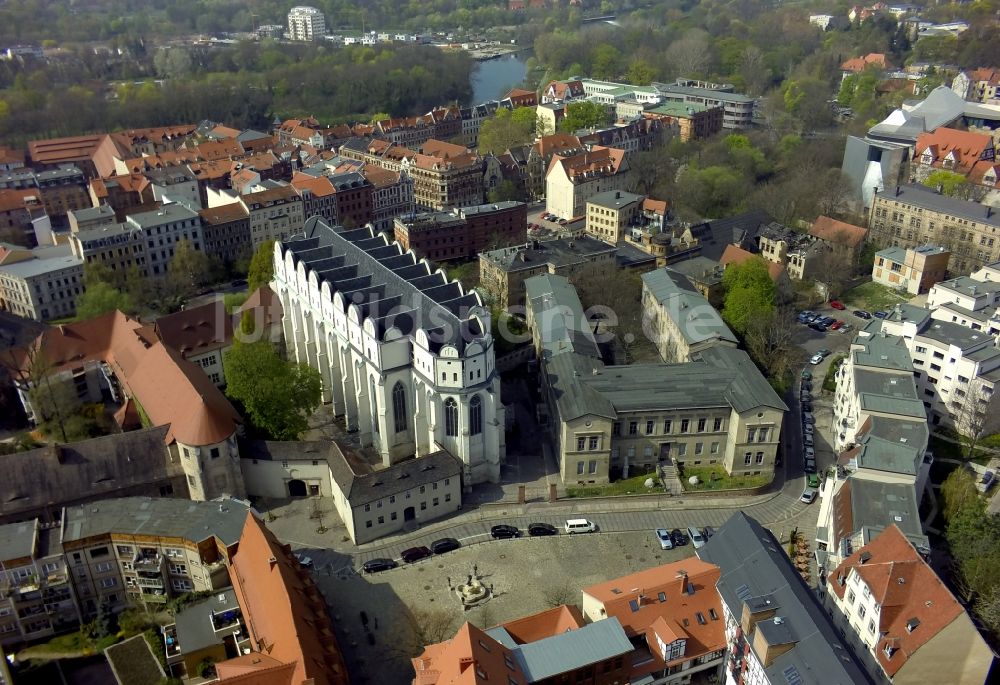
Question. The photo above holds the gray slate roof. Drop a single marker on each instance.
(921, 196)
(360, 487)
(17, 540)
(557, 309)
(194, 624)
(699, 270)
(875, 505)
(566, 652)
(715, 235)
(559, 252)
(755, 569)
(194, 521)
(696, 319)
(392, 287)
(47, 260)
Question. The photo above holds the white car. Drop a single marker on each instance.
(809, 495)
(663, 535)
(808, 439)
(815, 359)
(807, 429)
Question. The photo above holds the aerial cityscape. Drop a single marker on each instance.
(533, 342)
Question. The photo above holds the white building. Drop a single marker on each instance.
(306, 23)
(405, 354)
(41, 284)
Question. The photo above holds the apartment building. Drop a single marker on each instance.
(737, 109)
(839, 237)
(704, 275)
(572, 180)
(913, 215)
(502, 272)
(552, 646)
(673, 616)
(275, 213)
(113, 356)
(17, 209)
(42, 283)
(966, 153)
(109, 554)
(306, 23)
(776, 631)
(914, 270)
(540, 155)
(611, 421)
(902, 618)
(62, 190)
(978, 85)
(318, 195)
(610, 214)
(464, 232)
(686, 120)
(970, 301)
(117, 246)
(681, 318)
(392, 195)
(425, 374)
(226, 232)
(91, 217)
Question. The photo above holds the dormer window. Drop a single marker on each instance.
(927, 157)
(888, 651)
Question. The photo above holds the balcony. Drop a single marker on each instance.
(152, 596)
(149, 582)
(171, 646)
(147, 562)
(226, 619)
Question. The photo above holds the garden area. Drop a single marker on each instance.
(715, 478)
(873, 297)
(635, 485)
(830, 380)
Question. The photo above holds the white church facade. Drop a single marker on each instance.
(406, 356)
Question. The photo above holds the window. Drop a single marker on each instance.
(715, 448)
(667, 425)
(701, 425)
(717, 425)
(178, 569)
(760, 458)
(108, 582)
(684, 425)
(747, 458)
(762, 435)
(581, 444)
(368, 523)
(183, 585)
(103, 567)
(592, 466)
(475, 415)
(698, 447)
(616, 429)
(450, 417)
(579, 468)
(682, 450)
(423, 506)
(649, 427)
(124, 550)
(399, 407)
(871, 627)
(862, 611)
(593, 443)
(633, 427)
(751, 434)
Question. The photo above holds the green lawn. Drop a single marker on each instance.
(630, 486)
(830, 381)
(716, 478)
(949, 450)
(872, 297)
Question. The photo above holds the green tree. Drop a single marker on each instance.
(261, 266)
(950, 183)
(582, 115)
(640, 73)
(507, 129)
(607, 62)
(750, 293)
(277, 395)
(100, 298)
(190, 269)
(506, 191)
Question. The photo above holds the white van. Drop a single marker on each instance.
(697, 539)
(580, 526)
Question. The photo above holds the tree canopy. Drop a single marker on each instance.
(582, 115)
(100, 298)
(261, 266)
(507, 129)
(277, 395)
(750, 293)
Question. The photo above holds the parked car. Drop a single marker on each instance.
(445, 545)
(537, 529)
(807, 406)
(805, 397)
(806, 316)
(810, 466)
(809, 495)
(862, 314)
(416, 554)
(846, 328)
(807, 429)
(807, 417)
(881, 315)
(579, 526)
(836, 325)
(809, 452)
(817, 326)
(697, 539)
(812, 317)
(503, 531)
(663, 535)
(812, 481)
(823, 352)
(807, 375)
(678, 537)
(816, 359)
(376, 565)
(808, 439)
(708, 532)
(807, 386)
(828, 321)
(837, 304)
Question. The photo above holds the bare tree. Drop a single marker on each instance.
(972, 410)
(769, 340)
(753, 70)
(560, 594)
(692, 54)
(430, 626)
(616, 291)
(52, 399)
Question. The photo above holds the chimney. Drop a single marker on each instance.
(273, 562)
(618, 195)
(897, 191)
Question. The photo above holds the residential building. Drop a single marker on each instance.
(306, 23)
(110, 554)
(502, 272)
(392, 195)
(839, 237)
(978, 85)
(890, 603)
(163, 229)
(715, 236)
(559, 91)
(913, 269)
(737, 108)
(519, 97)
(796, 251)
(424, 376)
(776, 630)
(318, 196)
(110, 357)
(673, 615)
(59, 190)
(735, 254)
(969, 300)
(681, 319)
(17, 207)
(464, 232)
(226, 232)
(572, 180)
(873, 60)
(91, 217)
(705, 275)
(42, 283)
(352, 194)
(967, 153)
(201, 334)
(609, 214)
(553, 646)
(913, 215)
(610, 421)
(540, 155)
(633, 136)
(175, 184)
(687, 120)
(116, 246)
(274, 214)
(213, 629)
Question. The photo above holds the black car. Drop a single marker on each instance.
(376, 565)
(415, 554)
(817, 326)
(678, 538)
(807, 386)
(807, 406)
(708, 532)
(862, 314)
(542, 529)
(503, 531)
(445, 545)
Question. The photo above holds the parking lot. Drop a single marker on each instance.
(527, 575)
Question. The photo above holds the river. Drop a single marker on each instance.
(493, 78)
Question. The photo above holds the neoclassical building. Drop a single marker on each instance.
(405, 354)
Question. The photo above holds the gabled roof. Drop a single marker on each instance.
(555, 143)
(597, 162)
(837, 232)
(872, 59)
(196, 330)
(908, 591)
(737, 255)
(963, 148)
(285, 612)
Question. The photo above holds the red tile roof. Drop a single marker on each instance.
(56, 150)
(255, 669)
(734, 254)
(906, 588)
(964, 148)
(656, 206)
(987, 74)
(459, 660)
(196, 330)
(556, 143)
(285, 612)
(12, 199)
(224, 213)
(874, 59)
(545, 624)
(837, 232)
(320, 186)
(439, 148)
(598, 161)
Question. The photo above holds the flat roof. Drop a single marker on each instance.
(17, 540)
(950, 333)
(876, 505)
(559, 252)
(195, 630)
(175, 211)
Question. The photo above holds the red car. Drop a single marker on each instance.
(835, 325)
(837, 304)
